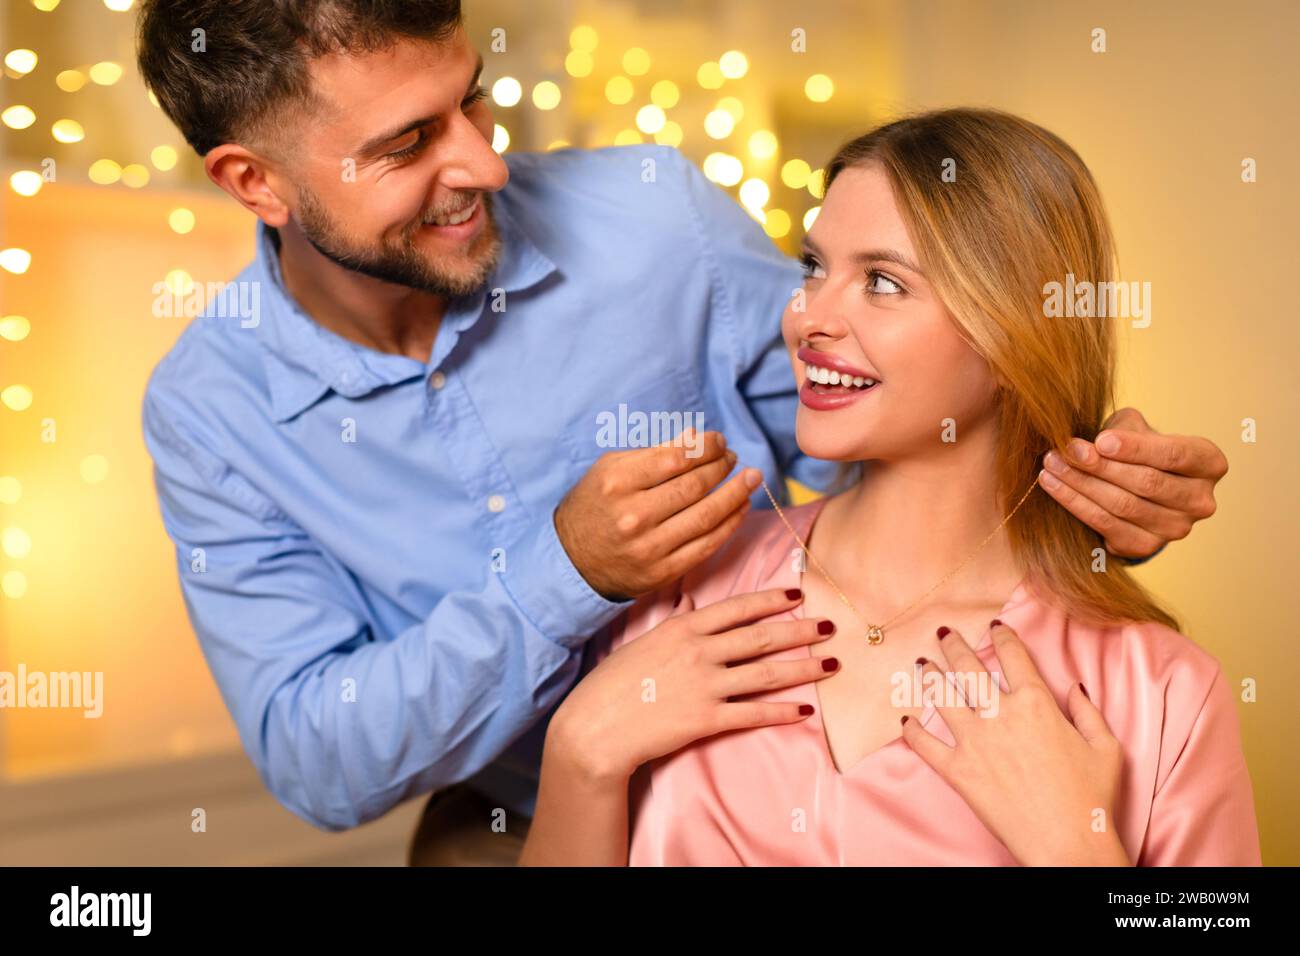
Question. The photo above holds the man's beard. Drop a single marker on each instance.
(401, 262)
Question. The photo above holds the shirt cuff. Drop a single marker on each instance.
(551, 592)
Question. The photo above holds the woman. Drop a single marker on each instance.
(1019, 699)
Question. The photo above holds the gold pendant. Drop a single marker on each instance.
(875, 634)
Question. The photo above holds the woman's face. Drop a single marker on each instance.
(869, 315)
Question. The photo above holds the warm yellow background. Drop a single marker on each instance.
(1164, 118)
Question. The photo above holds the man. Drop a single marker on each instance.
(395, 518)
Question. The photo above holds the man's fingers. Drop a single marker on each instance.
(677, 494)
(739, 609)
(700, 549)
(678, 455)
(1191, 496)
(1165, 523)
(1122, 537)
(1186, 455)
(703, 516)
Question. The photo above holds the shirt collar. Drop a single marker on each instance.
(304, 360)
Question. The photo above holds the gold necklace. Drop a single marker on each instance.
(876, 632)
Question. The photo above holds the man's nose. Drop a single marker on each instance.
(472, 163)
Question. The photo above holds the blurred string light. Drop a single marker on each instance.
(507, 91)
(18, 117)
(817, 183)
(819, 88)
(636, 62)
(618, 90)
(14, 584)
(45, 6)
(583, 38)
(627, 137)
(69, 81)
(16, 397)
(20, 62)
(500, 138)
(650, 119)
(178, 282)
(810, 217)
(670, 135)
(119, 6)
(546, 95)
(709, 75)
(719, 124)
(105, 172)
(163, 158)
(26, 182)
(181, 220)
(665, 94)
(15, 260)
(558, 144)
(733, 107)
(776, 223)
(11, 490)
(16, 542)
(754, 194)
(795, 173)
(733, 64)
(723, 168)
(135, 176)
(106, 73)
(154, 99)
(14, 328)
(94, 469)
(67, 131)
(762, 144)
(578, 63)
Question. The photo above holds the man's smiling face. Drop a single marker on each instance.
(394, 166)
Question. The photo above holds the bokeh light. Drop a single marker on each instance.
(507, 91)
(618, 90)
(546, 95)
(819, 88)
(26, 182)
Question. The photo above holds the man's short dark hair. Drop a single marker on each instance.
(222, 84)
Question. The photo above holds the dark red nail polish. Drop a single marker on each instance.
(1084, 689)
(793, 594)
(805, 710)
(944, 631)
(825, 627)
(904, 720)
(994, 623)
(920, 662)
(830, 664)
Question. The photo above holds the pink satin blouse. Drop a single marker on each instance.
(771, 796)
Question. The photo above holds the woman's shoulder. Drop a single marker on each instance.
(762, 553)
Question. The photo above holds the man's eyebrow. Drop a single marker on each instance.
(375, 142)
(867, 256)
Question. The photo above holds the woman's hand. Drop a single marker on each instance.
(672, 685)
(1044, 785)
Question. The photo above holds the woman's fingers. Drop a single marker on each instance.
(1017, 666)
(1086, 717)
(759, 713)
(755, 640)
(763, 676)
(928, 747)
(741, 609)
(950, 697)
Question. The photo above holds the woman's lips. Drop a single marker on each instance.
(833, 362)
(826, 398)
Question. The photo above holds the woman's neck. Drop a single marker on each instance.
(907, 524)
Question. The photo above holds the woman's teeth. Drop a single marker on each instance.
(825, 376)
(456, 218)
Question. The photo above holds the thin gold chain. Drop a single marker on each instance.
(876, 632)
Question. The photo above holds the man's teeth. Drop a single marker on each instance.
(825, 376)
(456, 218)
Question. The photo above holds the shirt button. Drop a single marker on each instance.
(496, 503)
(437, 380)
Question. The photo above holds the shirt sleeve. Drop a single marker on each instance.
(1203, 813)
(344, 723)
(755, 281)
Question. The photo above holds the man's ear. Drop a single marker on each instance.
(248, 177)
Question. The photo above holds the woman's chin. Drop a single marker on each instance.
(816, 444)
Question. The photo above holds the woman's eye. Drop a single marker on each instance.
(812, 268)
(880, 284)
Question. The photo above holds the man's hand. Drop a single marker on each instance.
(1135, 487)
(641, 518)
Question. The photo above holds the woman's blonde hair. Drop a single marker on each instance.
(999, 208)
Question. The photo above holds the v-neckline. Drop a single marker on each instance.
(927, 713)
